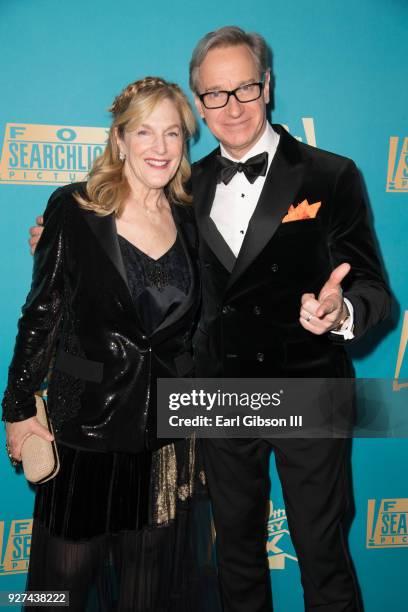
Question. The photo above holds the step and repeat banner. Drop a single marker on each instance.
(340, 84)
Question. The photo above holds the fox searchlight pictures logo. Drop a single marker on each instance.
(49, 154)
(15, 546)
(397, 386)
(397, 175)
(387, 524)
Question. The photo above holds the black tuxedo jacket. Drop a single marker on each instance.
(102, 390)
(250, 319)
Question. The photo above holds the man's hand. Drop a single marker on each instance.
(324, 314)
(35, 234)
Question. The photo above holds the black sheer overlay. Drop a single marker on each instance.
(88, 537)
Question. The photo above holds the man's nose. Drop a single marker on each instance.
(234, 108)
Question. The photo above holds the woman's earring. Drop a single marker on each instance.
(122, 156)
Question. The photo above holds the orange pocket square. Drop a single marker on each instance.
(304, 210)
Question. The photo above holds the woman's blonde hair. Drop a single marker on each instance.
(107, 187)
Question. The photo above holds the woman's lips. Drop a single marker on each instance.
(159, 164)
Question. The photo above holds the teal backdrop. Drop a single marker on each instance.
(340, 68)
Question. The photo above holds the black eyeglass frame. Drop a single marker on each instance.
(233, 92)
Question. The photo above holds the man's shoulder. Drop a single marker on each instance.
(323, 155)
(204, 162)
(316, 155)
(329, 164)
(184, 212)
(293, 148)
(185, 215)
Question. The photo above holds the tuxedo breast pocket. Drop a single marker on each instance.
(301, 227)
(299, 254)
(299, 240)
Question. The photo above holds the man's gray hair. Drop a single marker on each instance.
(228, 36)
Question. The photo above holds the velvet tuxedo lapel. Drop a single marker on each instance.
(104, 229)
(204, 186)
(282, 183)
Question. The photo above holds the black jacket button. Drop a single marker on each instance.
(274, 267)
(257, 310)
(260, 357)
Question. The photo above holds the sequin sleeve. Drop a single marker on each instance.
(38, 323)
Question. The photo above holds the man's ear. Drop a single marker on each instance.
(199, 106)
(267, 84)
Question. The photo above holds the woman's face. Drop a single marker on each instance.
(154, 149)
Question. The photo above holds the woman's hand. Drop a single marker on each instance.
(18, 432)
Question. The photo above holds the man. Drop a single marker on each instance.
(273, 306)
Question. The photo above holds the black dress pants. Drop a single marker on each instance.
(314, 478)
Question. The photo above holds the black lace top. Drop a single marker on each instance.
(158, 286)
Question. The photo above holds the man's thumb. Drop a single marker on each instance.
(339, 273)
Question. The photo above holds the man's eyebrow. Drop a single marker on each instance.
(222, 88)
(214, 88)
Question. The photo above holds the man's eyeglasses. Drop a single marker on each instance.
(244, 93)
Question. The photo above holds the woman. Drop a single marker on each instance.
(116, 290)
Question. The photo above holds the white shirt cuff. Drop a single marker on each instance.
(347, 328)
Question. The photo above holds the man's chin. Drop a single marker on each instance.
(237, 147)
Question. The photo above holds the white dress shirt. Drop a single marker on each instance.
(234, 205)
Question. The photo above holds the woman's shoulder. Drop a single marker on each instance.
(67, 192)
(63, 198)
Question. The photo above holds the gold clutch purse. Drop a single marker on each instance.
(40, 457)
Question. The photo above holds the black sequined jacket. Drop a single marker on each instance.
(102, 389)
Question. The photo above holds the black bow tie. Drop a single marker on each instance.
(252, 168)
